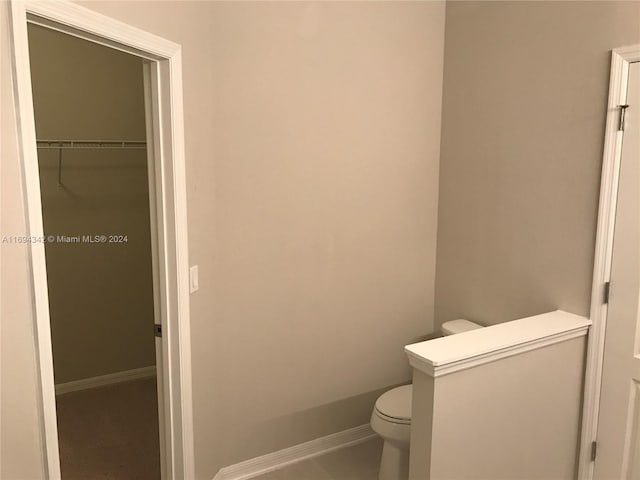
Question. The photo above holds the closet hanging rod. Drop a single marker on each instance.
(60, 144)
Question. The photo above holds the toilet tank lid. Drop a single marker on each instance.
(396, 403)
(458, 326)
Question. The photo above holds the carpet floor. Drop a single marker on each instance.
(110, 433)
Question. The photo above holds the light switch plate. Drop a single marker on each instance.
(193, 279)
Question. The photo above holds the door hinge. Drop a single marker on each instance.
(157, 330)
(623, 112)
(607, 292)
(594, 449)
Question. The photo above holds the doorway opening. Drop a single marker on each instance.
(147, 175)
(89, 108)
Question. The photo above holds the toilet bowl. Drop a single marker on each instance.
(391, 418)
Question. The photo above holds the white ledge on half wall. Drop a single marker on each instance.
(453, 353)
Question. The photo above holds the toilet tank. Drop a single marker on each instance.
(458, 326)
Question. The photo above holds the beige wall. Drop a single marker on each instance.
(524, 100)
(320, 257)
(100, 295)
(312, 142)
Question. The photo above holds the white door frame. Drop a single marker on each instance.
(152, 132)
(620, 60)
(166, 76)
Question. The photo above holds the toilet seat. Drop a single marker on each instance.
(395, 405)
(397, 421)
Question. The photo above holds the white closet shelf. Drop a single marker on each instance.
(68, 144)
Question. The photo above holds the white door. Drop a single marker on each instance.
(618, 440)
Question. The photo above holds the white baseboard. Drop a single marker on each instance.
(276, 460)
(102, 380)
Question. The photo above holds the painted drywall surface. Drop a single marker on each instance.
(326, 123)
(20, 445)
(421, 425)
(312, 137)
(524, 408)
(524, 102)
(100, 295)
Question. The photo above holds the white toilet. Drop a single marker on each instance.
(391, 418)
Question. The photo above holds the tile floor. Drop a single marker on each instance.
(359, 462)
